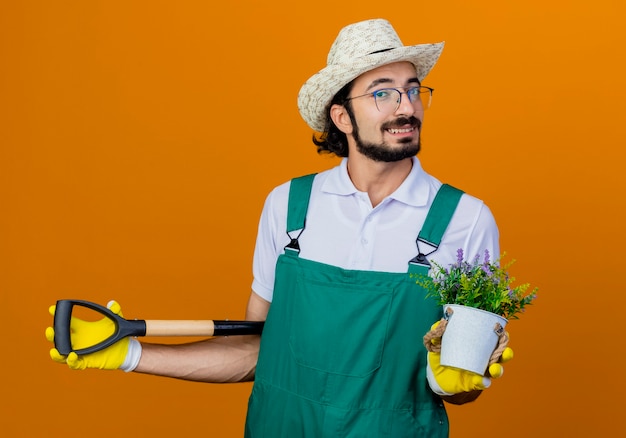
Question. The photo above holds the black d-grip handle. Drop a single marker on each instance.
(62, 330)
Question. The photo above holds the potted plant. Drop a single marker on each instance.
(478, 299)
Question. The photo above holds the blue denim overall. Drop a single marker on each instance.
(341, 352)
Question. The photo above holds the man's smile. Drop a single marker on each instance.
(401, 130)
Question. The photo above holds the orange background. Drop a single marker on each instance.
(138, 140)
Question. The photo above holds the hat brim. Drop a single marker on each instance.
(318, 91)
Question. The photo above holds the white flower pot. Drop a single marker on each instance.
(470, 338)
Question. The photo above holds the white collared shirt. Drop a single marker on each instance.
(344, 230)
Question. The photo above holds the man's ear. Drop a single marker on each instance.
(341, 118)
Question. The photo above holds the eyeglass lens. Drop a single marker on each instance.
(388, 99)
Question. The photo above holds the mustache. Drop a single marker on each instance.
(403, 121)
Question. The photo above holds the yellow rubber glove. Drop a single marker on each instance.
(449, 381)
(496, 370)
(85, 334)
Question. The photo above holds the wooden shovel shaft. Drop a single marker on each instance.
(173, 327)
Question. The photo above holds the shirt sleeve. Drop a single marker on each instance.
(484, 236)
(270, 242)
(473, 229)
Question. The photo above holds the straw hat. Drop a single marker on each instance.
(359, 48)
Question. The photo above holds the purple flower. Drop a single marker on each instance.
(485, 266)
(476, 260)
(459, 256)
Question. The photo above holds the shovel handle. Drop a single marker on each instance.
(124, 327)
(62, 329)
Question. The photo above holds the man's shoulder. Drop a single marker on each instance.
(280, 193)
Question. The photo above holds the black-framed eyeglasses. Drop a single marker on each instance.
(388, 100)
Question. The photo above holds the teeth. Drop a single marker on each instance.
(400, 131)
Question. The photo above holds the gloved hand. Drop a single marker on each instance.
(123, 354)
(449, 381)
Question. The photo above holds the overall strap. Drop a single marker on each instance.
(437, 220)
(299, 194)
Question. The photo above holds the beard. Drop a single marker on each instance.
(383, 152)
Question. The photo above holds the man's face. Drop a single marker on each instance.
(386, 136)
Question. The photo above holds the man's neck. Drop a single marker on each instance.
(377, 179)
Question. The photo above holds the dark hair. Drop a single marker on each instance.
(332, 140)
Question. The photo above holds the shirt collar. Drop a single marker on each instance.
(413, 190)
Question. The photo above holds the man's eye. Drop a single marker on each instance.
(382, 94)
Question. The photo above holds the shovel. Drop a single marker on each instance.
(137, 327)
